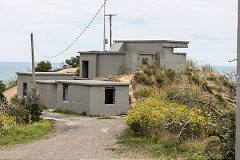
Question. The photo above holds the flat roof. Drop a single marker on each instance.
(46, 73)
(93, 82)
(46, 81)
(101, 52)
(151, 41)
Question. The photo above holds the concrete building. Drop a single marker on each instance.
(131, 54)
(60, 90)
(25, 80)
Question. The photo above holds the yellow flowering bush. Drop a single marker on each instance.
(155, 113)
(6, 121)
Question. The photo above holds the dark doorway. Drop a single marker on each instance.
(84, 69)
(24, 89)
(65, 92)
(109, 95)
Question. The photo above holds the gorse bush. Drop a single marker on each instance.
(156, 113)
(44, 66)
(6, 122)
(2, 89)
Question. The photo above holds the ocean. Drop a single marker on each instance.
(9, 69)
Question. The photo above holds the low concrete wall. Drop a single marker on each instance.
(27, 78)
(78, 98)
(48, 94)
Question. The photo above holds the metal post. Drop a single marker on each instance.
(33, 63)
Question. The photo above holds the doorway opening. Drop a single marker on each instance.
(85, 69)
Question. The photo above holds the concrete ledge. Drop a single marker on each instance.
(93, 83)
(46, 73)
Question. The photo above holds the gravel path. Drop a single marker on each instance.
(76, 138)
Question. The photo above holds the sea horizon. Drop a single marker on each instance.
(9, 69)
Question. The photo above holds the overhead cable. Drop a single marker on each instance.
(73, 42)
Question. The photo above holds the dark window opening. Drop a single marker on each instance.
(65, 92)
(24, 89)
(144, 61)
(109, 96)
(84, 69)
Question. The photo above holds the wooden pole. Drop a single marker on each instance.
(110, 18)
(33, 63)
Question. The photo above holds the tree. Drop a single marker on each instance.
(2, 89)
(73, 62)
(44, 66)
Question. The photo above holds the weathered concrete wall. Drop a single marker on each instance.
(92, 64)
(27, 78)
(107, 64)
(97, 101)
(102, 65)
(78, 98)
(173, 60)
(48, 94)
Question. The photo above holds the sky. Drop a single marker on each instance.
(209, 25)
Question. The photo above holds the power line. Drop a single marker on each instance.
(75, 39)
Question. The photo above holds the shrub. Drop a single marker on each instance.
(147, 71)
(122, 69)
(171, 74)
(27, 109)
(144, 92)
(6, 122)
(139, 77)
(2, 89)
(43, 66)
(159, 79)
(195, 80)
(77, 72)
(156, 113)
(207, 68)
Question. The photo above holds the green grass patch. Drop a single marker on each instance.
(69, 112)
(102, 116)
(160, 149)
(25, 133)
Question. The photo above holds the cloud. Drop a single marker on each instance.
(210, 26)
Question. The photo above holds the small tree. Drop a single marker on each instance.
(44, 66)
(73, 62)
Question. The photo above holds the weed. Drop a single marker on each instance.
(171, 74)
(194, 79)
(25, 133)
(147, 71)
(139, 77)
(159, 79)
(122, 69)
(69, 112)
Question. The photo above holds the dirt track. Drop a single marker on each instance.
(76, 138)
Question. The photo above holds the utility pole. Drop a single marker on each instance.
(104, 26)
(110, 18)
(33, 63)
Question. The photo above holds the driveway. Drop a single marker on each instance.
(77, 137)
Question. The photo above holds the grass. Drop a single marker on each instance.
(69, 112)
(25, 133)
(101, 116)
(160, 148)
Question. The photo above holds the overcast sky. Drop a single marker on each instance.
(209, 25)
